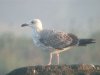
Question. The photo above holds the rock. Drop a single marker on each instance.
(78, 69)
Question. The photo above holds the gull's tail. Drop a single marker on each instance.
(84, 42)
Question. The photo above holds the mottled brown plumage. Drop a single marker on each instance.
(57, 40)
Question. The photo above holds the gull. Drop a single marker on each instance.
(57, 41)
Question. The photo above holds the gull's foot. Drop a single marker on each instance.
(49, 64)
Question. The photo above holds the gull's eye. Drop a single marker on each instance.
(32, 22)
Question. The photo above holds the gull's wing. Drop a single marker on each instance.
(57, 40)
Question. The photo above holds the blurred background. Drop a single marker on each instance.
(80, 17)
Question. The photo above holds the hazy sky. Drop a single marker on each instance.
(66, 15)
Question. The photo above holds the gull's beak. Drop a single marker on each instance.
(23, 25)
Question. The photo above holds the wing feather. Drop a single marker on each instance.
(57, 40)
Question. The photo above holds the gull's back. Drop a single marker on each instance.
(57, 40)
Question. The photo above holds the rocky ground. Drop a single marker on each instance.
(77, 69)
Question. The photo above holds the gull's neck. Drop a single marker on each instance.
(38, 27)
(35, 35)
(35, 32)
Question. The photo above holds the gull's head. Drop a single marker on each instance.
(35, 24)
(36, 21)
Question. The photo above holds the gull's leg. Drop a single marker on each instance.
(58, 58)
(50, 60)
(57, 53)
